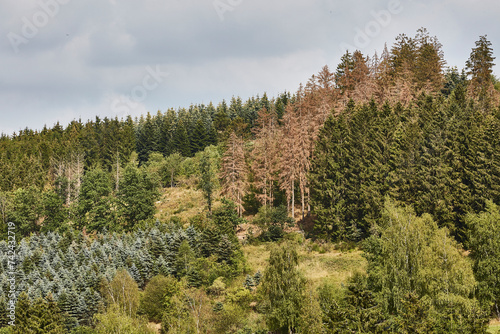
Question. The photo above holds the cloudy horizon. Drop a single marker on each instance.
(67, 59)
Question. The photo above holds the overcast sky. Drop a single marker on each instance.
(69, 59)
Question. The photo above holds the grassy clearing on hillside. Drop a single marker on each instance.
(331, 266)
(318, 263)
(181, 202)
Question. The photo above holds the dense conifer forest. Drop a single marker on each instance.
(364, 202)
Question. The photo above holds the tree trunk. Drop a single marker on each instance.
(293, 199)
(117, 171)
(302, 198)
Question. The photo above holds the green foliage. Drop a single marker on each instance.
(184, 259)
(53, 210)
(171, 168)
(352, 310)
(226, 219)
(429, 155)
(26, 210)
(413, 261)
(95, 203)
(484, 243)
(122, 291)
(272, 221)
(177, 318)
(137, 196)
(41, 316)
(310, 321)
(208, 179)
(350, 169)
(115, 321)
(6, 330)
(152, 301)
(83, 330)
(283, 287)
(231, 316)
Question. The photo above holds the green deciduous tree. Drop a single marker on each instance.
(311, 317)
(156, 292)
(413, 256)
(122, 291)
(171, 167)
(283, 286)
(484, 242)
(115, 321)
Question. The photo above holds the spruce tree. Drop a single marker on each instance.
(199, 138)
(479, 67)
(94, 201)
(234, 172)
(181, 140)
(207, 179)
(24, 322)
(137, 196)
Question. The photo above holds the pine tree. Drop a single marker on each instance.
(234, 172)
(94, 201)
(479, 68)
(343, 77)
(225, 250)
(53, 209)
(364, 84)
(137, 196)
(49, 316)
(265, 155)
(24, 322)
(429, 64)
(257, 278)
(181, 140)
(199, 138)
(27, 210)
(184, 259)
(290, 155)
(136, 275)
(4, 312)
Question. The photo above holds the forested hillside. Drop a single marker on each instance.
(215, 219)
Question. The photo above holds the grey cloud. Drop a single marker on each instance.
(95, 50)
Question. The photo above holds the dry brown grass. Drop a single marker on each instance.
(494, 326)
